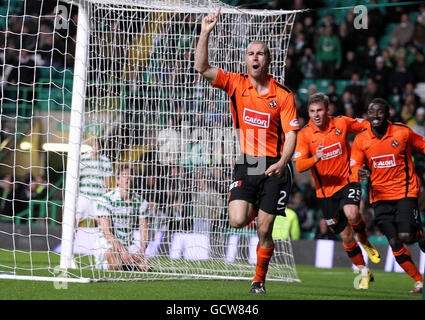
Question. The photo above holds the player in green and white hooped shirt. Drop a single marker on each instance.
(117, 216)
(95, 179)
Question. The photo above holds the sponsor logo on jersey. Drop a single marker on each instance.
(386, 161)
(294, 123)
(235, 184)
(255, 118)
(332, 151)
(331, 222)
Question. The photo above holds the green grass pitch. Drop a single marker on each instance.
(316, 284)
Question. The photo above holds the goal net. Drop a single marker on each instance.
(109, 133)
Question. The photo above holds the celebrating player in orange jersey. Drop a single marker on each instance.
(266, 123)
(323, 147)
(382, 152)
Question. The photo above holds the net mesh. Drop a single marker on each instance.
(145, 106)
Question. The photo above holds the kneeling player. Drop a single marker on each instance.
(382, 152)
(117, 212)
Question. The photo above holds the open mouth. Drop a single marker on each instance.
(255, 67)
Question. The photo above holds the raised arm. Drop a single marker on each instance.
(201, 55)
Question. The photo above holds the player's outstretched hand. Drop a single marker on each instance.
(209, 22)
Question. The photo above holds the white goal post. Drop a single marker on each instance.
(137, 101)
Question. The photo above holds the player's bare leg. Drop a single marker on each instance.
(357, 223)
(240, 213)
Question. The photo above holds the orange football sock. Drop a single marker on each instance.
(263, 259)
(404, 259)
(360, 230)
(354, 253)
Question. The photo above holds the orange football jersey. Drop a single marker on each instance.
(389, 159)
(332, 172)
(260, 120)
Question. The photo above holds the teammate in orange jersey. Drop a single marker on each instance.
(382, 152)
(266, 123)
(323, 148)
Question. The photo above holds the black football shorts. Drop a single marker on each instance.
(270, 194)
(332, 206)
(397, 216)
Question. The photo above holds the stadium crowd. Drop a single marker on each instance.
(326, 53)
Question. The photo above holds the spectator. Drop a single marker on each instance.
(374, 14)
(400, 76)
(407, 112)
(307, 64)
(304, 214)
(368, 54)
(381, 74)
(371, 92)
(355, 87)
(394, 12)
(387, 58)
(334, 99)
(395, 50)
(418, 68)
(351, 65)
(417, 123)
(419, 33)
(293, 75)
(409, 95)
(348, 103)
(346, 38)
(309, 30)
(403, 32)
(328, 54)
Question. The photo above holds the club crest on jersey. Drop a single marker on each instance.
(386, 161)
(394, 143)
(273, 104)
(332, 151)
(338, 132)
(256, 118)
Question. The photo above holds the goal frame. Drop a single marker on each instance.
(76, 126)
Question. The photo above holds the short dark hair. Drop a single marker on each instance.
(382, 102)
(317, 98)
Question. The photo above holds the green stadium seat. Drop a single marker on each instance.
(384, 41)
(413, 16)
(303, 89)
(322, 85)
(341, 85)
